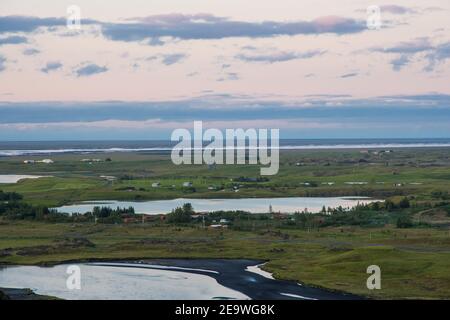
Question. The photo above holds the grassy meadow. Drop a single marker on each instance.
(328, 173)
(414, 260)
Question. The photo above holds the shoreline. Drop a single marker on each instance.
(7, 153)
(22, 294)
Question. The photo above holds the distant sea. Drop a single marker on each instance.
(59, 147)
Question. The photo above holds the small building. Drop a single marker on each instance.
(91, 160)
(280, 216)
(187, 184)
(218, 226)
(29, 161)
(128, 220)
(224, 221)
(156, 185)
(47, 161)
(109, 178)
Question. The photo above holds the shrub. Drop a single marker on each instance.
(404, 203)
(404, 222)
(181, 215)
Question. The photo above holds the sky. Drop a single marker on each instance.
(139, 69)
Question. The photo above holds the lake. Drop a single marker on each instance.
(253, 205)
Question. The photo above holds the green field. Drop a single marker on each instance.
(417, 172)
(414, 260)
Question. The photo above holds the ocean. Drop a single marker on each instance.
(23, 148)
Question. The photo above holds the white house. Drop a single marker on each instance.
(156, 184)
(187, 184)
(109, 178)
(217, 226)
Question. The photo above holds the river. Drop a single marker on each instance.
(162, 279)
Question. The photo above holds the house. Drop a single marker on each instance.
(218, 226)
(280, 216)
(187, 184)
(127, 220)
(109, 178)
(156, 185)
(149, 218)
(47, 161)
(224, 221)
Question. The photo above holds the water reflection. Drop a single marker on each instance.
(111, 283)
(253, 205)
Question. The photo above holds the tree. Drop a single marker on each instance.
(96, 211)
(404, 222)
(389, 205)
(376, 206)
(187, 208)
(179, 216)
(10, 196)
(404, 203)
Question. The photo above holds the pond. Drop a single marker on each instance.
(14, 178)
